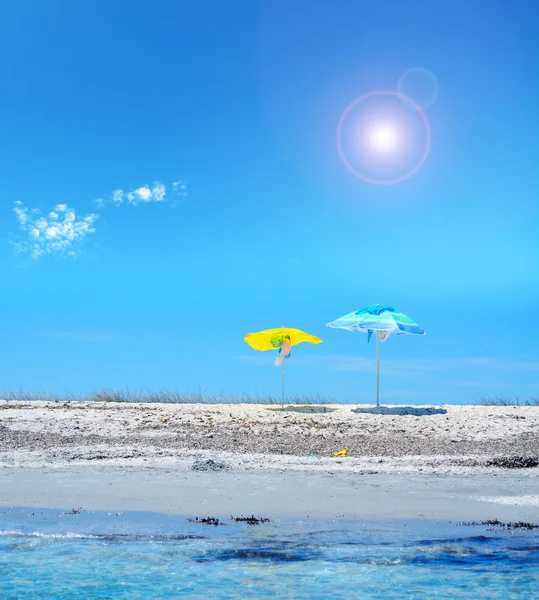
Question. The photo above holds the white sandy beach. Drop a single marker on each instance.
(427, 462)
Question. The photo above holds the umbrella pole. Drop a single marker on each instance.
(377, 372)
(282, 392)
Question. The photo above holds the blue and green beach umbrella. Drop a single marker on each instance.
(382, 320)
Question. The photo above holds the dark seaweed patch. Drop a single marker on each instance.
(513, 462)
(497, 523)
(252, 520)
(209, 465)
(206, 521)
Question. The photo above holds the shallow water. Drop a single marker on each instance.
(56, 554)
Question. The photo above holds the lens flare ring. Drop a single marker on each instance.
(420, 85)
(405, 100)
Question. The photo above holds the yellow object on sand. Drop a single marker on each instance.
(341, 453)
(272, 339)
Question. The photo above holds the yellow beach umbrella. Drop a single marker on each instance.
(281, 339)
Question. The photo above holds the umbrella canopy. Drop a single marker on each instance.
(281, 339)
(273, 339)
(378, 318)
(385, 321)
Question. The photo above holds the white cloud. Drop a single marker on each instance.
(144, 193)
(157, 192)
(179, 188)
(58, 234)
(21, 212)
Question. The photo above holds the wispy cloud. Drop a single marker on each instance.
(403, 368)
(84, 336)
(414, 366)
(258, 359)
(179, 187)
(157, 192)
(58, 233)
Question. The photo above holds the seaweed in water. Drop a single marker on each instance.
(252, 520)
(206, 521)
(497, 523)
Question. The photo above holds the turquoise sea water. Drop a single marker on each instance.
(56, 554)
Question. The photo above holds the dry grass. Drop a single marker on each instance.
(507, 401)
(164, 396)
(201, 397)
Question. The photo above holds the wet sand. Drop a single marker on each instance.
(506, 496)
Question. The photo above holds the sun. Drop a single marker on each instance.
(383, 137)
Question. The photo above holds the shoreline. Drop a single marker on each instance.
(448, 463)
(509, 496)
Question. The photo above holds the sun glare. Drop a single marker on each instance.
(383, 137)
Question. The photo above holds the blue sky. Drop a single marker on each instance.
(237, 104)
